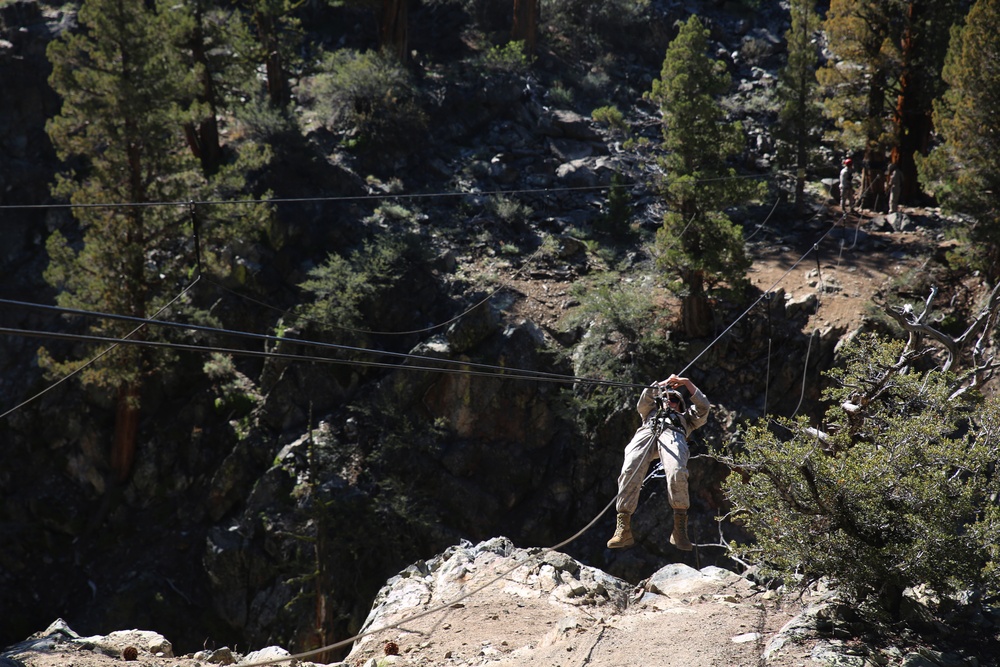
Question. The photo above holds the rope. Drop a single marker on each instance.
(503, 285)
(767, 375)
(103, 353)
(761, 225)
(756, 301)
(805, 370)
(446, 605)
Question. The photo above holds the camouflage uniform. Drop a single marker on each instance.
(671, 449)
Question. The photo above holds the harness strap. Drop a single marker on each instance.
(662, 419)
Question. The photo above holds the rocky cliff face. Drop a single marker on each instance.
(494, 604)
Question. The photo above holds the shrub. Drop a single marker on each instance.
(370, 98)
(346, 290)
(892, 496)
(508, 210)
(612, 117)
(624, 341)
(510, 57)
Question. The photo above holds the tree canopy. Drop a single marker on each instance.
(963, 171)
(121, 124)
(891, 494)
(698, 242)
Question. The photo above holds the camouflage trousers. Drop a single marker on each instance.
(672, 450)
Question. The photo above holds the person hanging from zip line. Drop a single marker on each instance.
(666, 424)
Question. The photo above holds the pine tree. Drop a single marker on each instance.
(964, 170)
(923, 46)
(698, 243)
(121, 123)
(800, 118)
(117, 82)
(878, 89)
(864, 36)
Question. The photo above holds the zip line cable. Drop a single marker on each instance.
(356, 198)
(754, 304)
(503, 285)
(815, 247)
(93, 360)
(499, 371)
(34, 333)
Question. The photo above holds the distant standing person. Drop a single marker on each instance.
(847, 186)
(895, 187)
(663, 411)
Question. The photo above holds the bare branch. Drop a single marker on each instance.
(980, 330)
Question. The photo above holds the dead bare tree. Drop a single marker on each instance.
(970, 354)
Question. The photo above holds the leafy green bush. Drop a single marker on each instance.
(237, 396)
(624, 341)
(896, 493)
(612, 117)
(510, 57)
(560, 95)
(507, 209)
(345, 290)
(370, 98)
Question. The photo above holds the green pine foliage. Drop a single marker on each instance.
(346, 289)
(963, 171)
(127, 94)
(800, 119)
(864, 36)
(210, 43)
(119, 84)
(895, 494)
(277, 37)
(624, 342)
(698, 243)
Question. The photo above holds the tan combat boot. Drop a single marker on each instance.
(679, 538)
(623, 532)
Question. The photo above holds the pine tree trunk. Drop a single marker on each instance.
(209, 150)
(277, 82)
(696, 312)
(126, 431)
(393, 31)
(913, 123)
(525, 26)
